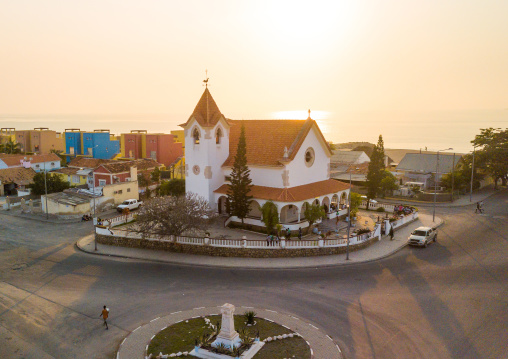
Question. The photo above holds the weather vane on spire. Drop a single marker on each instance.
(309, 113)
(205, 81)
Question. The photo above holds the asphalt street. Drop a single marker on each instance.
(446, 301)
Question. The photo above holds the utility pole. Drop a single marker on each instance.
(46, 191)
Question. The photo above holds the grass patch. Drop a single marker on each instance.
(180, 337)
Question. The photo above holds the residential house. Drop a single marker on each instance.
(357, 173)
(40, 140)
(123, 171)
(75, 176)
(46, 162)
(160, 147)
(427, 169)
(289, 162)
(98, 144)
(85, 167)
(15, 179)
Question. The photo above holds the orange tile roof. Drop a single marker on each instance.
(14, 160)
(86, 162)
(67, 170)
(125, 166)
(267, 139)
(294, 194)
(18, 175)
(207, 112)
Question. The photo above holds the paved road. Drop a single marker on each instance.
(446, 301)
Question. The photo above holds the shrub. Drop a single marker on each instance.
(380, 209)
(249, 316)
(363, 231)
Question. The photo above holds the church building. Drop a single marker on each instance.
(289, 163)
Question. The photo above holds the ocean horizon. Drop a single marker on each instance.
(434, 130)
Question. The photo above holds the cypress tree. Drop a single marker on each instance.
(240, 186)
(376, 169)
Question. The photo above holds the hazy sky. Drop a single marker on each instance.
(137, 57)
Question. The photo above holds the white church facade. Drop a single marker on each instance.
(289, 163)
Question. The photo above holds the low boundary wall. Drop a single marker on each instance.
(236, 247)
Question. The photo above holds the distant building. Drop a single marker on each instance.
(40, 140)
(160, 147)
(421, 167)
(349, 157)
(75, 176)
(46, 162)
(98, 144)
(6, 134)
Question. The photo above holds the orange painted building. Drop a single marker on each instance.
(40, 140)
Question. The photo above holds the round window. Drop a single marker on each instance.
(195, 169)
(309, 156)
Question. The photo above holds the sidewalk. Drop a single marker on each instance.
(378, 250)
(477, 196)
(41, 217)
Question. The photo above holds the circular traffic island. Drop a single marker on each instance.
(200, 337)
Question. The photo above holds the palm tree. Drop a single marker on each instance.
(10, 147)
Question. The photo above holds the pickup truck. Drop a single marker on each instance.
(129, 204)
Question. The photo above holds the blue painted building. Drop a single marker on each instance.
(97, 144)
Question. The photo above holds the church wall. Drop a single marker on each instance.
(299, 173)
(263, 176)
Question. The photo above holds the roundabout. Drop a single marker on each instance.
(320, 345)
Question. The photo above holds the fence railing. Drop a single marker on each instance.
(244, 243)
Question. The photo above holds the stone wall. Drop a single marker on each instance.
(227, 252)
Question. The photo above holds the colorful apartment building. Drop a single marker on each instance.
(160, 147)
(98, 144)
(40, 140)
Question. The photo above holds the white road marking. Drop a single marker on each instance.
(175, 312)
(273, 311)
(153, 320)
(136, 329)
(338, 348)
(199, 308)
(313, 326)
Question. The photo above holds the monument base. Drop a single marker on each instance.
(248, 354)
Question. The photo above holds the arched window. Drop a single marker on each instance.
(218, 136)
(195, 135)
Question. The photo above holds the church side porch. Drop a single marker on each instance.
(291, 202)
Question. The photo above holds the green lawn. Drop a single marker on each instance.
(180, 337)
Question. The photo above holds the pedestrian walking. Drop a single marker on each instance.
(391, 233)
(268, 240)
(105, 314)
(300, 233)
(478, 209)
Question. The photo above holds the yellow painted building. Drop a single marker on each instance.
(71, 175)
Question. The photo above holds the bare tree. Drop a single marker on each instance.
(170, 215)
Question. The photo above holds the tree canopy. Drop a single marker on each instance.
(270, 216)
(173, 187)
(238, 191)
(54, 183)
(313, 212)
(388, 183)
(491, 153)
(163, 216)
(10, 147)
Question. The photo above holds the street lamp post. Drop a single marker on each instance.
(348, 216)
(46, 191)
(435, 183)
(472, 174)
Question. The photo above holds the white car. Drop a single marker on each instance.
(129, 204)
(422, 236)
(373, 201)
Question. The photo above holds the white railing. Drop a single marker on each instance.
(259, 244)
(116, 221)
(374, 206)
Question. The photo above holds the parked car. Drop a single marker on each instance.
(422, 236)
(130, 204)
(373, 201)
